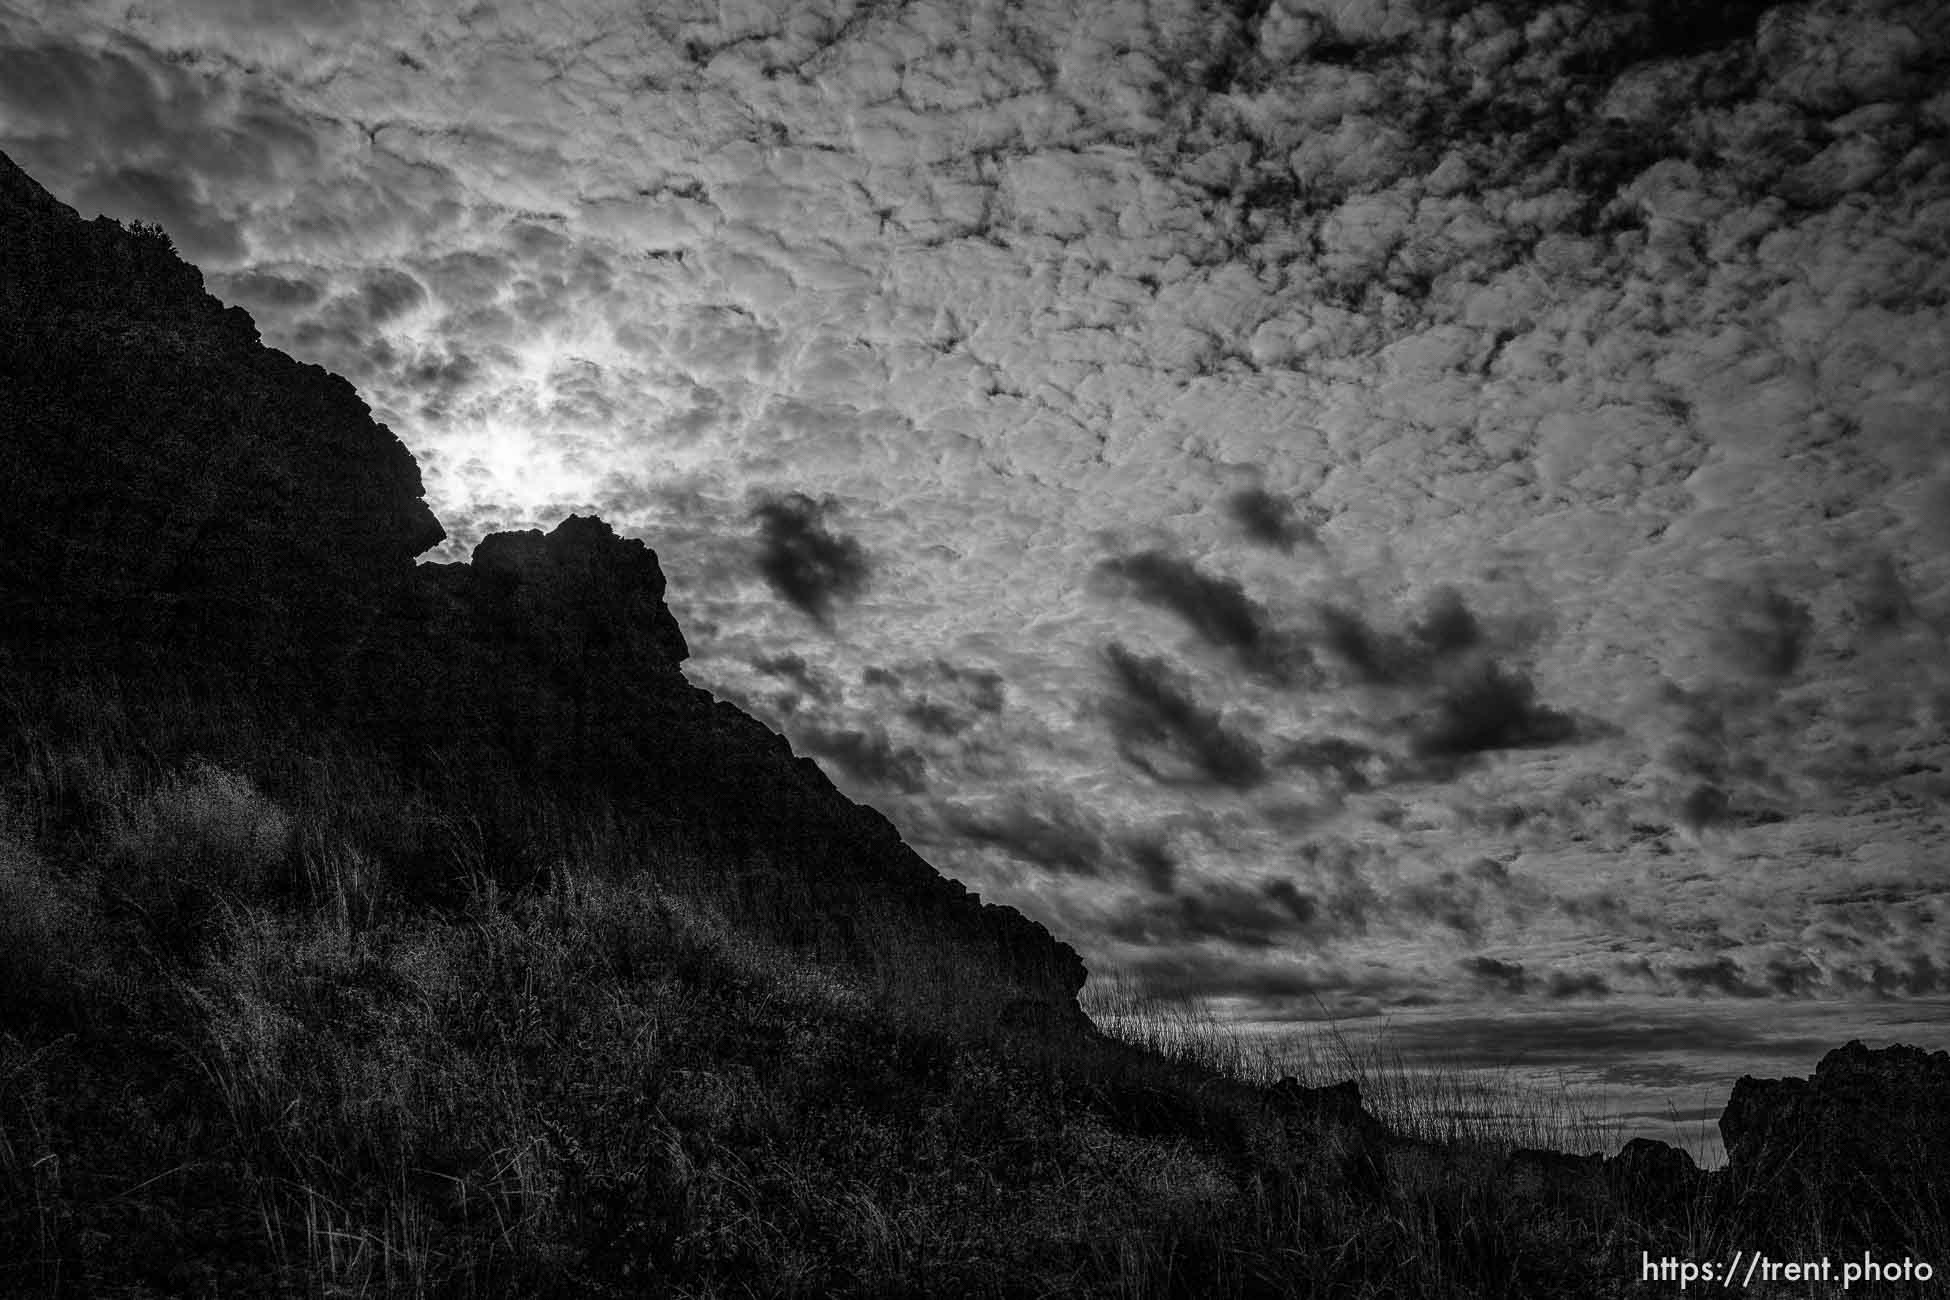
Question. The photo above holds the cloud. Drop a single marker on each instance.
(867, 755)
(169, 198)
(1764, 633)
(794, 668)
(1486, 709)
(803, 560)
(1268, 519)
(1881, 598)
(1705, 806)
(262, 291)
(1445, 629)
(1446, 626)
(1267, 973)
(939, 697)
(1346, 635)
(1232, 912)
(1217, 609)
(1152, 709)
(1506, 977)
(1354, 766)
(1722, 975)
(1154, 862)
(387, 293)
(1053, 834)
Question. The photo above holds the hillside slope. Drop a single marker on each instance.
(190, 503)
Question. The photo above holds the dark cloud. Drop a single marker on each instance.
(1446, 629)
(1154, 862)
(804, 561)
(441, 374)
(387, 293)
(1464, 904)
(982, 688)
(1792, 977)
(1218, 609)
(1254, 973)
(1490, 708)
(1058, 835)
(793, 668)
(1565, 985)
(935, 719)
(1374, 659)
(1881, 597)
(1765, 633)
(1234, 912)
(1050, 834)
(1348, 762)
(1721, 975)
(1704, 806)
(1919, 975)
(941, 698)
(1513, 979)
(263, 290)
(1506, 977)
(1269, 520)
(1153, 708)
(867, 756)
(1446, 626)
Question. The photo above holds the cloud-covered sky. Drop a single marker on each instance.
(1363, 505)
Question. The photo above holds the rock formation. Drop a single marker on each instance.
(187, 502)
(1863, 1145)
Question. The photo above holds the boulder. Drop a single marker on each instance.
(1654, 1179)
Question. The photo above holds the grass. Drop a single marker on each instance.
(282, 1021)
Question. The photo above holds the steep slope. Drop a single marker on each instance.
(187, 502)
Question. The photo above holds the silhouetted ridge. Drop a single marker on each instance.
(187, 502)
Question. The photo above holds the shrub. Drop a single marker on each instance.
(32, 915)
(205, 832)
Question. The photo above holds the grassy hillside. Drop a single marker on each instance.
(278, 1021)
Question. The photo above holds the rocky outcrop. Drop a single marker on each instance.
(1863, 1146)
(174, 487)
(1858, 1156)
(188, 502)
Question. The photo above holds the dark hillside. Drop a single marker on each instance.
(189, 504)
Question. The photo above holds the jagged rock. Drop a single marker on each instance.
(174, 487)
(1863, 1145)
(187, 502)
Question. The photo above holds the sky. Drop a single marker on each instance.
(1390, 512)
